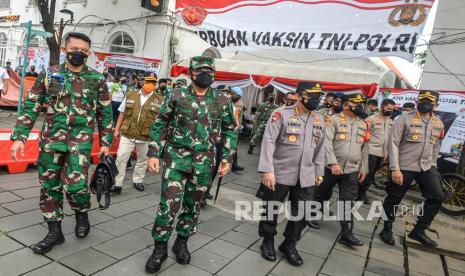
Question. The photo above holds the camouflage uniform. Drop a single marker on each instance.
(75, 103)
(264, 113)
(184, 135)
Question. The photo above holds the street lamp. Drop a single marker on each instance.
(63, 24)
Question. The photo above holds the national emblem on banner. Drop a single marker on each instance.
(405, 14)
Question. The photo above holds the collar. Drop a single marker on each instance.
(209, 94)
(64, 68)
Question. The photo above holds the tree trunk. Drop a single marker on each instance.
(461, 166)
(47, 12)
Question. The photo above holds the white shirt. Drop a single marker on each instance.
(3, 76)
(117, 92)
(143, 100)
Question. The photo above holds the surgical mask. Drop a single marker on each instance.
(76, 58)
(387, 113)
(311, 104)
(204, 80)
(148, 88)
(358, 111)
(337, 109)
(425, 107)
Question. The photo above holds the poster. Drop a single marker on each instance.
(125, 61)
(359, 28)
(455, 137)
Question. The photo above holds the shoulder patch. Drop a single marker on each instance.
(276, 116)
(329, 121)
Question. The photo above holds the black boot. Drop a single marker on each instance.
(157, 258)
(54, 237)
(250, 151)
(180, 249)
(418, 234)
(139, 186)
(208, 196)
(267, 250)
(82, 224)
(347, 237)
(116, 190)
(313, 224)
(289, 250)
(236, 168)
(386, 234)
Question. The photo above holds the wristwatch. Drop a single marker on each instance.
(319, 179)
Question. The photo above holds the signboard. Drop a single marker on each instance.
(9, 18)
(126, 61)
(455, 137)
(351, 27)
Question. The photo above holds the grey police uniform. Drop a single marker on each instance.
(292, 149)
(413, 149)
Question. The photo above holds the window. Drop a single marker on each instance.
(5, 4)
(3, 44)
(3, 40)
(122, 43)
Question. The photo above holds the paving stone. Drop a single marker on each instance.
(29, 235)
(125, 245)
(125, 224)
(15, 264)
(28, 193)
(311, 266)
(88, 261)
(184, 270)
(328, 228)
(239, 238)
(210, 212)
(4, 212)
(455, 264)
(73, 244)
(217, 226)
(397, 248)
(369, 273)
(8, 245)
(317, 244)
(22, 220)
(384, 268)
(52, 269)
(141, 202)
(424, 262)
(195, 242)
(248, 263)
(456, 273)
(133, 265)
(118, 210)
(387, 257)
(8, 197)
(208, 261)
(18, 183)
(361, 251)
(150, 211)
(224, 248)
(97, 217)
(343, 263)
(250, 229)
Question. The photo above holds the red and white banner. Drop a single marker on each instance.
(125, 61)
(350, 27)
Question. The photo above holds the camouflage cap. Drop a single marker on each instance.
(428, 94)
(202, 62)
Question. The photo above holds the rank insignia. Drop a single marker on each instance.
(276, 116)
(292, 138)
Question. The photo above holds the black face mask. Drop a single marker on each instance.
(337, 109)
(387, 113)
(290, 102)
(328, 105)
(425, 107)
(358, 111)
(76, 58)
(204, 80)
(162, 88)
(311, 104)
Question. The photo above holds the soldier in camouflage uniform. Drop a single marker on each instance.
(264, 113)
(190, 123)
(78, 99)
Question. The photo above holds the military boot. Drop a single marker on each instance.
(54, 237)
(250, 151)
(267, 249)
(180, 249)
(159, 255)
(347, 237)
(289, 250)
(418, 234)
(82, 224)
(386, 234)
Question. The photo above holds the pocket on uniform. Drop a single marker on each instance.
(414, 136)
(317, 134)
(293, 136)
(341, 136)
(435, 137)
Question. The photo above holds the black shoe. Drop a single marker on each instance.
(250, 151)
(180, 249)
(292, 256)
(203, 203)
(267, 250)
(139, 186)
(313, 224)
(54, 237)
(418, 234)
(237, 168)
(347, 237)
(386, 234)
(116, 190)
(208, 196)
(159, 255)
(128, 164)
(82, 224)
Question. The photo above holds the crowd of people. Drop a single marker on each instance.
(189, 134)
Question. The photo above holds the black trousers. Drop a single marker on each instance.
(267, 228)
(114, 109)
(373, 165)
(430, 186)
(347, 183)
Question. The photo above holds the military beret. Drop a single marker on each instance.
(428, 94)
(309, 87)
(202, 62)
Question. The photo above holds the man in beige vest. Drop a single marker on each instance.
(137, 113)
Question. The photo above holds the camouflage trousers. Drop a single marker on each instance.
(60, 171)
(257, 134)
(179, 188)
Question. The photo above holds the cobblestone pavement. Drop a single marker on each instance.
(120, 242)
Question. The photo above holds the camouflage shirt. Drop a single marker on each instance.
(264, 112)
(75, 102)
(188, 127)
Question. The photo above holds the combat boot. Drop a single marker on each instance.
(250, 151)
(289, 250)
(347, 237)
(180, 249)
(418, 234)
(54, 237)
(159, 255)
(267, 249)
(82, 224)
(386, 234)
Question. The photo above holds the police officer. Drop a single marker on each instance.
(346, 152)
(191, 122)
(413, 151)
(327, 107)
(291, 162)
(379, 127)
(373, 107)
(264, 113)
(291, 98)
